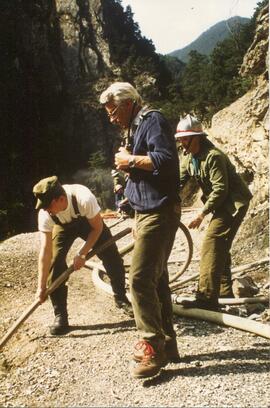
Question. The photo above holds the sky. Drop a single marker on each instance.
(173, 24)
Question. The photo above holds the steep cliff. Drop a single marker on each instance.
(57, 57)
(242, 130)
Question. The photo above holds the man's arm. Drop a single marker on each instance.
(184, 173)
(123, 158)
(218, 177)
(44, 263)
(219, 180)
(96, 224)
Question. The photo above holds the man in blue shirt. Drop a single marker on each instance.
(152, 190)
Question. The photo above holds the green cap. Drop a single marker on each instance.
(46, 190)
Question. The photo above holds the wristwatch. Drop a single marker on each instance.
(81, 255)
(131, 162)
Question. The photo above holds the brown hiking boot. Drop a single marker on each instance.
(170, 348)
(149, 361)
(200, 304)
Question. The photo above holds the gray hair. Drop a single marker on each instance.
(119, 92)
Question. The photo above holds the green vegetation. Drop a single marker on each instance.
(51, 122)
(207, 84)
(204, 85)
(99, 180)
(207, 41)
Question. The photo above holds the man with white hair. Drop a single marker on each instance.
(151, 160)
(226, 196)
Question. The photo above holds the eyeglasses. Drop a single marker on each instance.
(113, 113)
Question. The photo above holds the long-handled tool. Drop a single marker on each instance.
(63, 277)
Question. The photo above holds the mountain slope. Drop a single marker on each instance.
(207, 41)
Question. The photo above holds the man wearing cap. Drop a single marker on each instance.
(226, 196)
(152, 191)
(67, 212)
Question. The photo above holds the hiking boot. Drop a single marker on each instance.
(149, 361)
(227, 295)
(59, 301)
(171, 350)
(200, 304)
(124, 304)
(60, 326)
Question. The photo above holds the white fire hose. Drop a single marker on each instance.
(224, 319)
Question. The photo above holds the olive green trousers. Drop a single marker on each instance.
(148, 276)
(215, 265)
(63, 238)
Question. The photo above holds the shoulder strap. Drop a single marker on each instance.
(146, 113)
(75, 205)
(56, 220)
(76, 210)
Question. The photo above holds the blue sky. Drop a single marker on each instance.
(173, 24)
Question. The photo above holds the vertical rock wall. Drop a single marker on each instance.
(242, 130)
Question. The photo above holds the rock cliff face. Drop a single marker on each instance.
(56, 59)
(84, 44)
(242, 130)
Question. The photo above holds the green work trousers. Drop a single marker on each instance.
(63, 238)
(148, 276)
(215, 265)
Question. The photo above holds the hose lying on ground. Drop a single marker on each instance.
(239, 269)
(177, 299)
(225, 319)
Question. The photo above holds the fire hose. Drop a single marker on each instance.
(225, 319)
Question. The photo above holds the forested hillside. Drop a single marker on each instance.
(208, 40)
(57, 57)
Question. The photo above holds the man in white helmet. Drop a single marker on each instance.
(226, 196)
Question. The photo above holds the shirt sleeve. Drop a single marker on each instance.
(184, 174)
(45, 221)
(218, 177)
(160, 145)
(88, 205)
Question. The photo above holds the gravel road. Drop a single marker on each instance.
(88, 367)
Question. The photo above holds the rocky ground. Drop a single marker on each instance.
(220, 366)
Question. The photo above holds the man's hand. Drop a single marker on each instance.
(40, 294)
(78, 262)
(121, 159)
(196, 222)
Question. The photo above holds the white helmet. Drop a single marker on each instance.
(189, 126)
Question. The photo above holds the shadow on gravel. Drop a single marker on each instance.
(235, 367)
(250, 354)
(112, 328)
(196, 328)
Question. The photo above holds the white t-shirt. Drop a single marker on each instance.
(87, 205)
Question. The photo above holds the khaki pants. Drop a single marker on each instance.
(148, 276)
(215, 265)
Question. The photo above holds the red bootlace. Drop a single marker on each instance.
(146, 347)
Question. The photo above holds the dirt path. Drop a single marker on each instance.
(89, 366)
